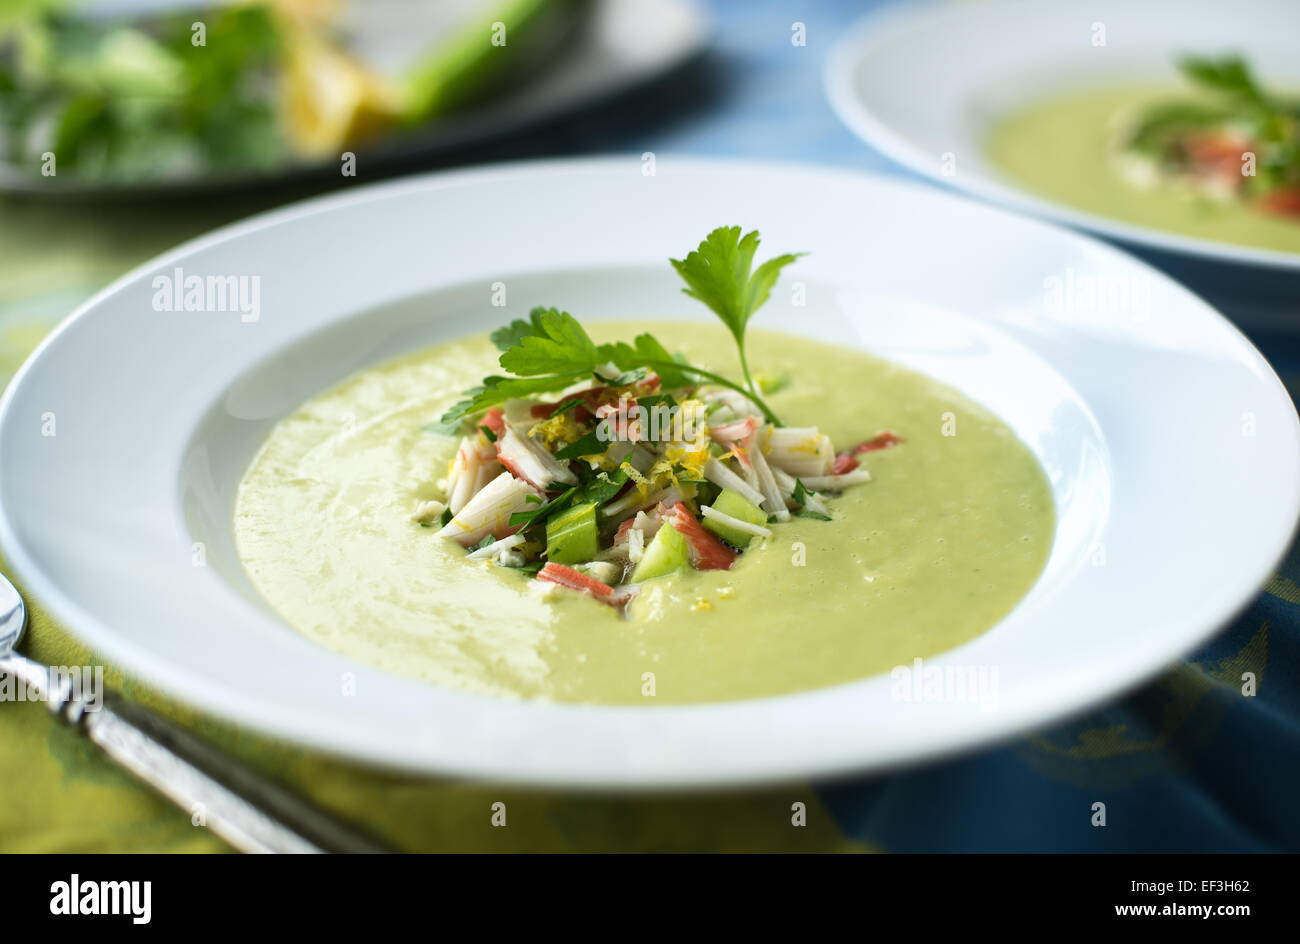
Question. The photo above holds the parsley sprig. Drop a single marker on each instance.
(551, 351)
(721, 274)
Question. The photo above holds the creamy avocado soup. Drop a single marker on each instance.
(1072, 149)
(951, 531)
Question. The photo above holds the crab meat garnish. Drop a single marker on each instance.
(844, 463)
(645, 522)
(583, 412)
(800, 451)
(834, 483)
(1218, 155)
(489, 511)
(786, 482)
(621, 420)
(531, 461)
(718, 473)
(494, 419)
(1285, 201)
(427, 512)
(883, 440)
(576, 580)
(707, 552)
(475, 465)
(737, 436)
(773, 502)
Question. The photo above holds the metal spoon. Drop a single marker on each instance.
(240, 806)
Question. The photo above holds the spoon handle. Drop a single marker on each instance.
(244, 808)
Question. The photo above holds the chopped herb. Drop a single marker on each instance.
(604, 487)
(487, 431)
(654, 400)
(566, 406)
(801, 495)
(537, 515)
(591, 444)
(446, 517)
(487, 540)
(805, 513)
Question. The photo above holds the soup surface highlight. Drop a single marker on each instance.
(948, 537)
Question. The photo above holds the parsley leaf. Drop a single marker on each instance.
(604, 486)
(559, 345)
(646, 349)
(539, 514)
(720, 273)
(594, 443)
(510, 336)
(550, 350)
(623, 378)
(497, 390)
(1229, 75)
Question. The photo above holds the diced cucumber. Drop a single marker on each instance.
(571, 535)
(741, 508)
(664, 555)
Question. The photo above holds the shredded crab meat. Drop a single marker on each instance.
(835, 483)
(497, 548)
(718, 473)
(531, 461)
(706, 551)
(475, 465)
(786, 482)
(773, 501)
(800, 451)
(636, 545)
(427, 512)
(571, 579)
(736, 402)
(722, 518)
(738, 437)
(605, 571)
(489, 511)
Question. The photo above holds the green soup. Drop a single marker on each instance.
(1066, 149)
(950, 534)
